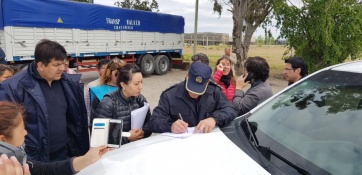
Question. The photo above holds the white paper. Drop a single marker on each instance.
(126, 134)
(138, 116)
(189, 133)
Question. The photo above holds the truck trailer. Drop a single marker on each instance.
(90, 32)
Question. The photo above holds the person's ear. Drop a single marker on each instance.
(123, 85)
(2, 138)
(40, 66)
(298, 70)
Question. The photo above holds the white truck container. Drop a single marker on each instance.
(91, 32)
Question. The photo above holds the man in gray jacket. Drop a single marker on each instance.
(257, 71)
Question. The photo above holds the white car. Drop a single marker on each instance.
(211, 153)
(311, 127)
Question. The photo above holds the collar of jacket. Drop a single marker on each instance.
(124, 99)
(256, 82)
(32, 71)
(182, 89)
(182, 94)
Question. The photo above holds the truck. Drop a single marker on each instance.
(90, 32)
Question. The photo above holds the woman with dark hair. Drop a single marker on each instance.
(121, 103)
(12, 131)
(224, 77)
(256, 73)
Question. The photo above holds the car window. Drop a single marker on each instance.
(319, 119)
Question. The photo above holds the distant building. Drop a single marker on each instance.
(207, 38)
(281, 42)
(210, 38)
(252, 41)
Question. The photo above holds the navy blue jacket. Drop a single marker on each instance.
(2, 56)
(23, 88)
(175, 100)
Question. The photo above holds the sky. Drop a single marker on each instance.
(208, 21)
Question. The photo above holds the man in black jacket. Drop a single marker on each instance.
(56, 119)
(195, 102)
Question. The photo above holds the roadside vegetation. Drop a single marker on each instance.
(272, 53)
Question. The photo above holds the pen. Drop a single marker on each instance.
(180, 116)
(182, 119)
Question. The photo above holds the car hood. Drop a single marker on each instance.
(211, 153)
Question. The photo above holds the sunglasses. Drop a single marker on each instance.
(115, 64)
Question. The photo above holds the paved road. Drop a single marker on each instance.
(155, 84)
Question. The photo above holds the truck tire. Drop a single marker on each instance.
(162, 64)
(147, 64)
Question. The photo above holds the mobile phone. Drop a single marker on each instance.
(249, 77)
(100, 130)
(10, 150)
(115, 133)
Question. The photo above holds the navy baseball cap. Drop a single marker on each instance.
(198, 78)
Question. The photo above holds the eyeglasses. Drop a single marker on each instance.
(199, 57)
(116, 62)
(288, 69)
(195, 58)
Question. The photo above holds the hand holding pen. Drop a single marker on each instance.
(179, 126)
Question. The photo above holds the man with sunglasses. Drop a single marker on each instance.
(295, 69)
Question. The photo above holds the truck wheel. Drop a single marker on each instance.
(162, 64)
(147, 64)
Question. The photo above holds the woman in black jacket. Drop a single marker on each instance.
(119, 104)
(12, 131)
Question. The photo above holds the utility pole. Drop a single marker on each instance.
(195, 27)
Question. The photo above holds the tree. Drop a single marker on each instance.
(322, 32)
(247, 16)
(144, 5)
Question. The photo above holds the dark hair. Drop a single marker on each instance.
(4, 68)
(14, 69)
(296, 63)
(101, 63)
(200, 57)
(8, 117)
(125, 73)
(259, 66)
(113, 65)
(231, 73)
(46, 51)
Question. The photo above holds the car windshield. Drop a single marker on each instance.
(319, 119)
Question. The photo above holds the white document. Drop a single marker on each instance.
(138, 116)
(189, 133)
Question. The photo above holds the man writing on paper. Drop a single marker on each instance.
(193, 102)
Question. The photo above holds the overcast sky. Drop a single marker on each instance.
(207, 20)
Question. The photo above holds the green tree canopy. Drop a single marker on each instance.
(322, 32)
(144, 5)
(247, 16)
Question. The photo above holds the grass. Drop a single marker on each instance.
(273, 54)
